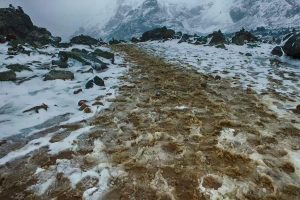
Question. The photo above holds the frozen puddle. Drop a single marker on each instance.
(58, 95)
(279, 78)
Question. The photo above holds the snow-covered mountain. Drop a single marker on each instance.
(132, 18)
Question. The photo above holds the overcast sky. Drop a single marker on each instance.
(64, 17)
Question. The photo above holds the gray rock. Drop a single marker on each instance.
(59, 74)
(292, 46)
(8, 76)
(98, 81)
(18, 68)
(89, 84)
(217, 38)
(242, 37)
(60, 63)
(277, 51)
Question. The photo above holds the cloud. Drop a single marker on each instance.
(64, 17)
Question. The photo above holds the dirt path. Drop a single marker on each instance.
(173, 133)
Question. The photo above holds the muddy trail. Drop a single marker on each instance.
(172, 133)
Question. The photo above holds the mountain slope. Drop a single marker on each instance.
(203, 17)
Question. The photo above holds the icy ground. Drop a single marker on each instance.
(277, 79)
(19, 96)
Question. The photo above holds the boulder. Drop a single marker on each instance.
(277, 51)
(98, 81)
(292, 46)
(242, 37)
(104, 54)
(158, 34)
(89, 84)
(217, 38)
(100, 67)
(184, 38)
(135, 40)
(59, 74)
(85, 40)
(18, 68)
(8, 76)
(2, 39)
(60, 63)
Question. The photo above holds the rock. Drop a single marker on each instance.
(297, 110)
(113, 41)
(87, 110)
(82, 56)
(77, 91)
(184, 38)
(218, 78)
(221, 46)
(37, 108)
(135, 40)
(89, 84)
(248, 54)
(60, 63)
(158, 34)
(100, 67)
(98, 81)
(2, 39)
(242, 37)
(83, 106)
(87, 71)
(292, 46)
(82, 102)
(59, 74)
(277, 51)
(85, 40)
(98, 103)
(8, 76)
(104, 54)
(217, 38)
(18, 68)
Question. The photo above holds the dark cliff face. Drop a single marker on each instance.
(14, 22)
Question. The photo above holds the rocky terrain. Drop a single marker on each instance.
(167, 115)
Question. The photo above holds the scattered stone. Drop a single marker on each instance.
(83, 106)
(297, 110)
(59, 74)
(104, 54)
(98, 81)
(87, 110)
(158, 34)
(98, 103)
(277, 51)
(218, 78)
(135, 40)
(242, 37)
(18, 68)
(88, 71)
(292, 46)
(221, 46)
(211, 182)
(248, 54)
(184, 38)
(77, 91)
(100, 67)
(89, 84)
(37, 108)
(217, 38)
(85, 40)
(8, 76)
(60, 63)
(81, 102)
